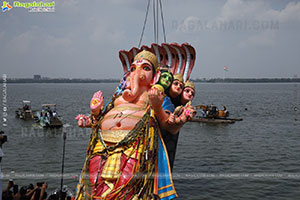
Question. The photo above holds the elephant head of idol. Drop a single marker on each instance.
(144, 72)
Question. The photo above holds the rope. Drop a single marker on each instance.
(154, 22)
(162, 21)
(145, 21)
(157, 23)
(157, 5)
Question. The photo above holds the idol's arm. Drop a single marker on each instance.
(156, 99)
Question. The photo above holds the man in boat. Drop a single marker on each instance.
(211, 111)
(126, 156)
(26, 107)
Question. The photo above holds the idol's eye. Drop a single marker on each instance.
(176, 82)
(180, 85)
(132, 68)
(147, 68)
(189, 91)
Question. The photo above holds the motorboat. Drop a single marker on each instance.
(25, 111)
(49, 117)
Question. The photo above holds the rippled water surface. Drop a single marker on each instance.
(257, 158)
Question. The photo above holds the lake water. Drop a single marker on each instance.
(257, 158)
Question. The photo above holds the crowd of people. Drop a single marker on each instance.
(47, 112)
(28, 192)
(35, 192)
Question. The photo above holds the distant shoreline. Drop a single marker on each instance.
(212, 80)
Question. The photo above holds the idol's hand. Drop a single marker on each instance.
(182, 119)
(97, 103)
(156, 98)
(189, 112)
(171, 119)
(83, 121)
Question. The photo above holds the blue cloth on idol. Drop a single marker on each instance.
(166, 190)
(168, 105)
(170, 140)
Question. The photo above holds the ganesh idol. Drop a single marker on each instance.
(126, 156)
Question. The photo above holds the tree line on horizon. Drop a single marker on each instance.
(211, 80)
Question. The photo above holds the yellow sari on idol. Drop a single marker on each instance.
(127, 164)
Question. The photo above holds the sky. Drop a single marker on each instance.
(82, 39)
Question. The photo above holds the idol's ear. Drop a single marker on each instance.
(124, 60)
(156, 77)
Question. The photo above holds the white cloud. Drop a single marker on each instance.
(36, 40)
(265, 38)
(58, 43)
(259, 20)
(258, 10)
(105, 32)
(21, 43)
(79, 34)
(241, 10)
(291, 13)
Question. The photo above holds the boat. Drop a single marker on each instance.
(211, 114)
(221, 120)
(25, 111)
(49, 117)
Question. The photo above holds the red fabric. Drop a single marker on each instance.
(93, 171)
(127, 166)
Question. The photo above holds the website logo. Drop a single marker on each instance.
(36, 6)
(30, 6)
(6, 6)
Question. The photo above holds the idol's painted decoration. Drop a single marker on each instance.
(126, 156)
